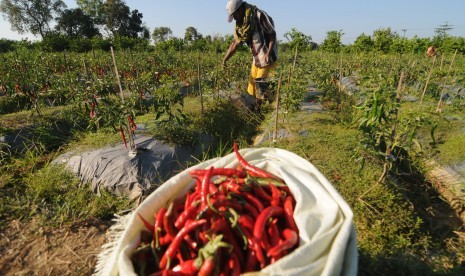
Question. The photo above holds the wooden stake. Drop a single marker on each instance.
(439, 106)
(117, 74)
(132, 144)
(200, 86)
(275, 132)
(427, 80)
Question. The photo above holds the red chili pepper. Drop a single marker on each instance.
(273, 233)
(289, 214)
(168, 221)
(186, 214)
(268, 212)
(254, 201)
(221, 171)
(222, 226)
(290, 240)
(253, 170)
(255, 245)
(251, 209)
(186, 268)
(131, 123)
(208, 266)
(146, 223)
(92, 111)
(251, 263)
(276, 195)
(205, 186)
(246, 221)
(233, 186)
(165, 240)
(258, 190)
(123, 136)
(174, 246)
(234, 265)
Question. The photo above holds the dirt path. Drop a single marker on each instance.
(449, 185)
(69, 250)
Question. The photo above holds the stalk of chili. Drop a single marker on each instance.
(290, 240)
(253, 170)
(159, 220)
(174, 246)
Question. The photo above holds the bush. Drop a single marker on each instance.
(6, 45)
(55, 42)
(80, 45)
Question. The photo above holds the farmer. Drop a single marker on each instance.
(255, 28)
(432, 51)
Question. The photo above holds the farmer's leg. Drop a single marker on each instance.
(259, 73)
(253, 75)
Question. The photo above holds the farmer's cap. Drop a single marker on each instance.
(231, 7)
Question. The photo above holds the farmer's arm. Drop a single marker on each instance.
(270, 33)
(232, 49)
(270, 46)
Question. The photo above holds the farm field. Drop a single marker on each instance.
(384, 126)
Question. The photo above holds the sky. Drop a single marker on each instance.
(408, 18)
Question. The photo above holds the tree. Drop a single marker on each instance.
(92, 8)
(120, 21)
(192, 34)
(332, 42)
(74, 23)
(298, 39)
(161, 34)
(363, 43)
(383, 39)
(32, 16)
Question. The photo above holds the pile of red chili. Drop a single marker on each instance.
(234, 220)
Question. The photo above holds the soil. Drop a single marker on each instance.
(67, 250)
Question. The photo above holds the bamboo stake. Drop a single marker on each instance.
(117, 74)
(132, 144)
(442, 61)
(275, 132)
(428, 79)
(439, 106)
(200, 86)
(289, 77)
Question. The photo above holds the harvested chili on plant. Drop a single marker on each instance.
(233, 220)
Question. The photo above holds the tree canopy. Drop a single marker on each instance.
(32, 16)
(75, 23)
